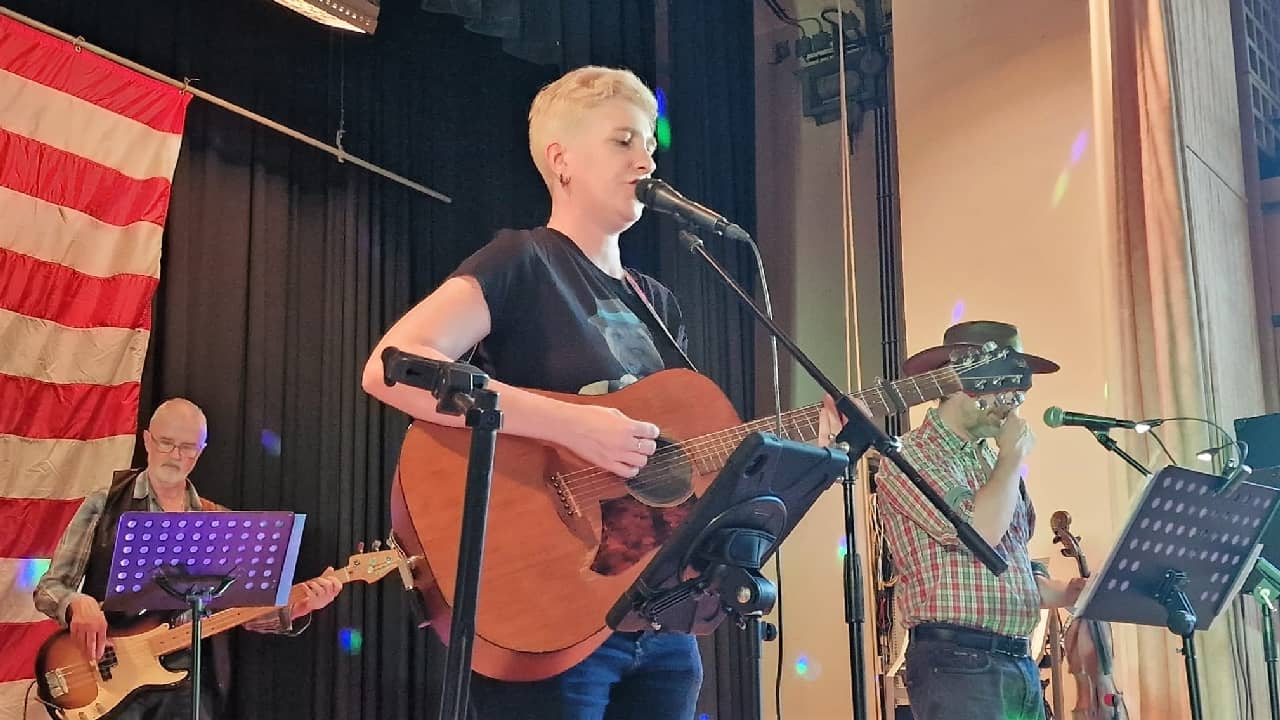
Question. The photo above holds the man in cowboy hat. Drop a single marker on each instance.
(969, 656)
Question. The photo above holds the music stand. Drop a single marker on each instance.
(1182, 557)
(201, 561)
(709, 568)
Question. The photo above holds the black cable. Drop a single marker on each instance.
(53, 710)
(1160, 442)
(781, 13)
(777, 678)
(1239, 652)
(1241, 447)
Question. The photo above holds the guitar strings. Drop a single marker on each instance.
(125, 647)
(694, 445)
(588, 481)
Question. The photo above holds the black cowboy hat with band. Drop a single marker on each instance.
(970, 336)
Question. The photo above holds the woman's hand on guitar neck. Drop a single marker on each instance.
(88, 625)
(830, 421)
(608, 439)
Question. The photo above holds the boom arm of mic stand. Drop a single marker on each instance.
(1108, 442)
(859, 431)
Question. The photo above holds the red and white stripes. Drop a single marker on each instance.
(87, 153)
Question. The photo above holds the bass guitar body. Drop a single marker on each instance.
(85, 690)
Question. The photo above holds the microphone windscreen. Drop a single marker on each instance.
(1053, 416)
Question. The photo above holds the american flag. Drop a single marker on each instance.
(87, 153)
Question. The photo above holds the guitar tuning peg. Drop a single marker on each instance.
(988, 346)
(377, 544)
(359, 547)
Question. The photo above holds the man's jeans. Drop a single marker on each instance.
(948, 682)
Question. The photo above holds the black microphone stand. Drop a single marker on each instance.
(859, 431)
(459, 389)
(858, 434)
(855, 612)
(197, 593)
(1108, 442)
(1263, 594)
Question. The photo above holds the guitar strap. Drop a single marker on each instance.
(653, 314)
(648, 306)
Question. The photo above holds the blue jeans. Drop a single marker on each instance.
(948, 682)
(632, 676)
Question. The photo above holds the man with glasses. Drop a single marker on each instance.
(72, 590)
(969, 657)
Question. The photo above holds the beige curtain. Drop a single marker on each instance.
(1171, 277)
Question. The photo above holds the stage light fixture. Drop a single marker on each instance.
(354, 15)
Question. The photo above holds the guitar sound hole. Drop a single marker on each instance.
(660, 499)
(667, 480)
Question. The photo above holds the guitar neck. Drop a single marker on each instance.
(179, 638)
(801, 425)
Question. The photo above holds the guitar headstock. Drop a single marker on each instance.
(988, 370)
(372, 566)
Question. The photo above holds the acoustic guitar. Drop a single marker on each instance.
(67, 678)
(565, 539)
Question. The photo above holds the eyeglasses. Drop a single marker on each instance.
(167, 446)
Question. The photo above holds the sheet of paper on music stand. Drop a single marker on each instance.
(258, 548)
(1178, 523)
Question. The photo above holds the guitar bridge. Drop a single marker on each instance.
(57, 683)
(565, 495)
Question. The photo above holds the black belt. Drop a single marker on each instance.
(973, 638)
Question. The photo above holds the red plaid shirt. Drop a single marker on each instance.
(939, 579)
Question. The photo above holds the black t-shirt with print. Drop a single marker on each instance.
(559, 323)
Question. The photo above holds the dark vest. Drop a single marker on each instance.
(120, 500)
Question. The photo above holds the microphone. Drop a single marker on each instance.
(663, 198)
(1057, 417)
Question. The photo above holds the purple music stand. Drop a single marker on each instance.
(202, 561)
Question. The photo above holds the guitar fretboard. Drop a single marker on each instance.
(179, 638)
(711, 452)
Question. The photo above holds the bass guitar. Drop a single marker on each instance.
(68, 679)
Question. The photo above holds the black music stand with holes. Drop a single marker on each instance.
(202, 561)
(709, 568)
(1182, 558)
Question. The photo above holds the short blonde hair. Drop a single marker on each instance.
(560, 103)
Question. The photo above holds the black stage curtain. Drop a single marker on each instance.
(282, 267)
